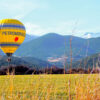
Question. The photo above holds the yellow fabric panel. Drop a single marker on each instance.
(7, 49)
(10, 21)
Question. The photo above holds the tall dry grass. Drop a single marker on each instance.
(50, 87)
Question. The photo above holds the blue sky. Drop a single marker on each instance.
(60, 16)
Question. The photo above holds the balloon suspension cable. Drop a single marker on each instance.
(9, 60)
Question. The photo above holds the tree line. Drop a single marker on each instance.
(24, 70)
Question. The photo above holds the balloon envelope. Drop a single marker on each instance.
(12, 35)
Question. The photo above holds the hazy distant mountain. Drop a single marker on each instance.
(91, 35)
(56, 46)
(29, 38)
(52, 44)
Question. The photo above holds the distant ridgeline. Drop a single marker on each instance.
(55, 45)
(30, 62)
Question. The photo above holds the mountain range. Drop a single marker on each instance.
(29, 38)
(56, 46)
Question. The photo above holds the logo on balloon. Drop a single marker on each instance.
(16, 39)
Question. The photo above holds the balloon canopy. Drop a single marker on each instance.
(12, 35)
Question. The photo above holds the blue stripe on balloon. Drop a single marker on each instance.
(9, 45)
(12, 26)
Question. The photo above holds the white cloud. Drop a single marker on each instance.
(34, 29)
(67, 27)
(63, 28)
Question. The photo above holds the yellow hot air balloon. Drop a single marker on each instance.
(12, 34)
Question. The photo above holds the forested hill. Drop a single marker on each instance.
(25, 61)
(88, 62)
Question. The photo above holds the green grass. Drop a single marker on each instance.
(50, 87)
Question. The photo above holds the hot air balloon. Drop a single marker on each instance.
(12, 35)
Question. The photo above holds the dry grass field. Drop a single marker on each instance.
(50, 87)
